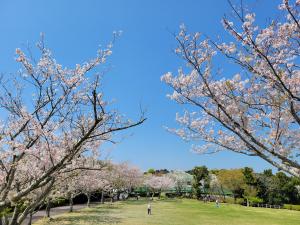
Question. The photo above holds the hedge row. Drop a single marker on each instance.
(291, 207)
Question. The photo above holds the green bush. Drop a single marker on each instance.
(5, 212)
(291, 207)
(58, 202)
(255, 200)
(240, 201)
(163, 196)
(230, 200)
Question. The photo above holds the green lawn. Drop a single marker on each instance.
(175, 212)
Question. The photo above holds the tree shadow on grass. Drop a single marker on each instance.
(136, 202)
(145, 201)
(91, 216)
(102, 207)
(88, 219)
(177, 200)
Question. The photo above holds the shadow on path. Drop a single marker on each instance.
(54, 211)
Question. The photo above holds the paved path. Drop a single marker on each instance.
(54, 211)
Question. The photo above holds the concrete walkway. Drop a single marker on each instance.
(54, 211)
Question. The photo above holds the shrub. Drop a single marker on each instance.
(255, 200)
(291, 207)
(59, 202)
(240, 201)
(230, 200)
(171, 195)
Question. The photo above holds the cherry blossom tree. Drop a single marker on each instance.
(67, 187)
(91, 181)
(86, 176)
(215, 185)
(52, 115)
(182, 180)
(158, 183)
(124, 178)
(255, 112)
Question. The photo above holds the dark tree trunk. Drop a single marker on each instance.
(14, 220)
(102, 197)
(111, 194)
(30, 219)
(223, 193)
(88, 195)
(4, 220)
(48, 208)
(71, 204)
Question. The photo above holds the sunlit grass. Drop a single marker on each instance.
(175, 212)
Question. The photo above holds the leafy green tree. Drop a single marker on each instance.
(201, 180)
(249, 176)
(151, 171)
(250, 189)
(278, 189)
(232, 180)
(293, 190)
(264, 181)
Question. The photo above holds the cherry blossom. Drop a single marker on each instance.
(43, 135)
(254, 112)
(158, 183)
(182, 180)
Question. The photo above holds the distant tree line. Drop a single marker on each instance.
(242, 186)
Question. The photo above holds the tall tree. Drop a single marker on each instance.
(182, 180)
(201, 180)
(232, 180)
(123, 178)
(250, 189)
(158, 183)
(264, 180)
(255, 112)
(65, 116)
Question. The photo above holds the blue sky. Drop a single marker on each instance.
(74, 29)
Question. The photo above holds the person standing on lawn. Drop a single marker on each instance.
(149, 208)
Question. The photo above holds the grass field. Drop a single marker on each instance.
(175, 212)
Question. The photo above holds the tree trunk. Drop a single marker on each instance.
(30, 219)
(223, 193)
(247, 202)
(152, 196)
(112, 197)
(48, 208)
(14, 219)
(102, 197)
(4, 220)
(88, 195)
(71, 203)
